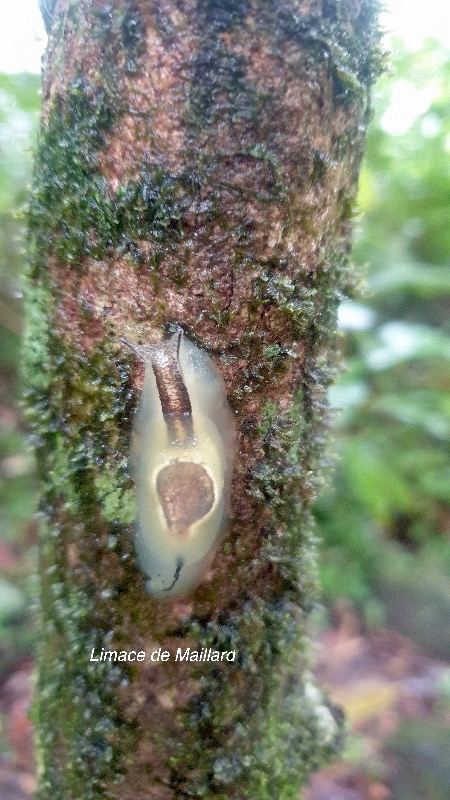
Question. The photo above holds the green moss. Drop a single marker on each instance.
(76, 707)
(122, 30)
(351, 42)
(70, 186)
(71, 189)
(297, 735)
(245, 729)
(295, 300)
(219, 76)
(118, 503)
(36, 372)
(285, 479)
(218, 17)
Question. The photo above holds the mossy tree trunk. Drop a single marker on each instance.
(197, 166)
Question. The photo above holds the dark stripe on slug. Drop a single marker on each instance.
(173, 394)
(171, 387)
(172, 391)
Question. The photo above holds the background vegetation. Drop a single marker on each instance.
(384, 524)
(19, 105)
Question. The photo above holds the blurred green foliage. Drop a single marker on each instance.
(390, 506)
(19, 106)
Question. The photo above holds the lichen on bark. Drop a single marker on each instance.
(196, 167)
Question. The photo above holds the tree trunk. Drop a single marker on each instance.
(196, 167)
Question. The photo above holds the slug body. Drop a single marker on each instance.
(183, 447)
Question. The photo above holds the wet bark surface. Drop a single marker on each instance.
(196, 168)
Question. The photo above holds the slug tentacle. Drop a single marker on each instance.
(182, 461)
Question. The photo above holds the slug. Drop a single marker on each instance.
(181, 463)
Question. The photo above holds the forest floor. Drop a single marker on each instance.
(396, 700)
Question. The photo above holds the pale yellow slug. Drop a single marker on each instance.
(182, 455)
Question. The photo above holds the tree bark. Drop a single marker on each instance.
(196, 167)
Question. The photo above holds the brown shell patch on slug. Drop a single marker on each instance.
(186, 494)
